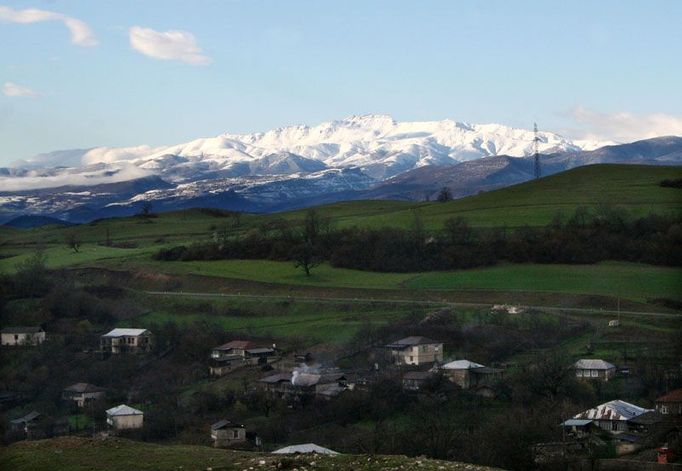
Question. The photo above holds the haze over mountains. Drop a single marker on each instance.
(369, 156)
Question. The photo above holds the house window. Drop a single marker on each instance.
(664, 409)
(595, 373)
(579, 373)
(411, 358)
(235, 434)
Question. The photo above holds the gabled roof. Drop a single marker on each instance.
(593, 364)
(243, 344)
(576, 422)
(412, 341)
(21, 330)
(221, 424)
(83, 388)
(461, 365)
(256, 351)
(305, 448)
(672, 396)
(276, 378)
(123, 410)
(31, 416)
(119, 332)
(613, 410)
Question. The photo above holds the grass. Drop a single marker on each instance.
(633, 281)
(116, 454)
(313, 322)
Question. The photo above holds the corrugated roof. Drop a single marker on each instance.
(27, 418)
(225, 424)
(672, 396)
(593, 364)
(124, 410)
(121, 332)
(412, 341)
(613, 410)
(276, 378)
(83, 388)
(576, 422)
(243, 344)
(461, 365)
(21, 330)
(305, 448)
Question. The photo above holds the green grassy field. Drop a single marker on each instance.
(635, 188)
(116, 454)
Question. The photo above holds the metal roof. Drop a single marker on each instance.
(255, 351)
(461, 365)
(243, 344)
(119, 332)
(221, 424)
(613, 410)
(27, 418)
(124, 410)
(83, 388)
(305, 448)
(21, 330)
(672, 396)
(412, 341)
(593, 364)
(576, 422)
(276, 378)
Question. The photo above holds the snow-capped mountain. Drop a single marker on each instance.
(376, 144)
(362, 156)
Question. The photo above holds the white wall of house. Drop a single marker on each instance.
(122, 422)
(22, 339)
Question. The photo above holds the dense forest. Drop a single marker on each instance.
(586, 236)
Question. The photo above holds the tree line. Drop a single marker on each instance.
(583, 237)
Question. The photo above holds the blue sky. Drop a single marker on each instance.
(72, 79)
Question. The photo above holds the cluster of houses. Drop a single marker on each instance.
(237, 353)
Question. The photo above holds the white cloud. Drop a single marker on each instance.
(167, 45)
(100, 174)
(81, 34)
(13, 89)
(624, 126)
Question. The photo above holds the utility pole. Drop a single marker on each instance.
(536, 150)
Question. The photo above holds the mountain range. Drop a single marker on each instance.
(370, 156)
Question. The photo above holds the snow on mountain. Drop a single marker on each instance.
(377, 144)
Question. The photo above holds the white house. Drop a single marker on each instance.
(126, 341)
(125, 417)
(594, 369)
(18, 336)
(82, 393)
(614, 416)
(416, 351)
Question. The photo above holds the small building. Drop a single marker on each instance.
(261, 355)
(26, 423)
(124, 417)
(299, 384)
(305, 448)
(470, 375)
(122, 340)
(223, 365)
(225, 433)
(578, 427)
(235, 347)
(237, 353)
(416, 351)
(594, 369)
(415, 380)
(619, 416)
(22, 336)
(670, 405)
(82, 393)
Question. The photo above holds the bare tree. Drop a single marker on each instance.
(73, 241)
(305, 256)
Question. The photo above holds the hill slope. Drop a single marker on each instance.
(114, 454)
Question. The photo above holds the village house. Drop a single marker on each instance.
(237, 353)
(473, 376)
(82, 393)
(619, 416)
(26, 424)
(594, 369)
(298, 384)
(124, 417)
(670, 405)
(22, 336)
(416, 351)
(415, 380)
(121, 340)
(225, 433)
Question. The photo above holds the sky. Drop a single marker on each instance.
(80, 74)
